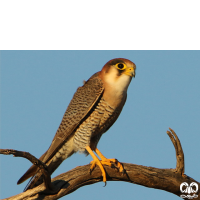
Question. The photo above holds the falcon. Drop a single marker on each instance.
(92, 111)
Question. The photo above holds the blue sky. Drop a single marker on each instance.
(37, 86)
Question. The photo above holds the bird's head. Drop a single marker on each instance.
(120, 66)
(117, 73)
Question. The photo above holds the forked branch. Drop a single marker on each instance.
(164, 179)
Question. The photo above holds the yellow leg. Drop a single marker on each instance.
(109, 162)
(95, 162)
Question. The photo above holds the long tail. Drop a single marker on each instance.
(36, 174)
(38, 178)
(52, 163)
(30, 172)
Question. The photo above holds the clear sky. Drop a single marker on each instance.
(37, 86)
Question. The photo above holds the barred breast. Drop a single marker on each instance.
(89, 132)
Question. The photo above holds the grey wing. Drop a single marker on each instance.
(80, 106)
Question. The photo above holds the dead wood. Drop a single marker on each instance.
(164, 179)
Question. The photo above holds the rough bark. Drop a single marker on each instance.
(164, 179)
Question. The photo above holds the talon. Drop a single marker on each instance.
(123, 172)
(110, 162)
(95, 162)
(113, 163)
(120, 166)
(93, 166)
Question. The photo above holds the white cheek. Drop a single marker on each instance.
(122, 83)
(118, 84)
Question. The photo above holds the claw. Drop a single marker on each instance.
(120, 167)
(110, 162)
(113, 163)
(105, 184)
(95, 162)
(93, 166)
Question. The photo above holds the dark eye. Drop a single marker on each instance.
(120, 66)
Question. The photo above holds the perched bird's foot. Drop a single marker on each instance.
(95, 162)
(99, 163)
(113, 163)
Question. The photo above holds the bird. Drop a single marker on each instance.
(93, 109)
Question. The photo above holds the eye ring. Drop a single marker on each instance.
(120, 66)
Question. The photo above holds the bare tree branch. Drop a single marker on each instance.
(42, 166)
(164, 179)
(179, 151)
